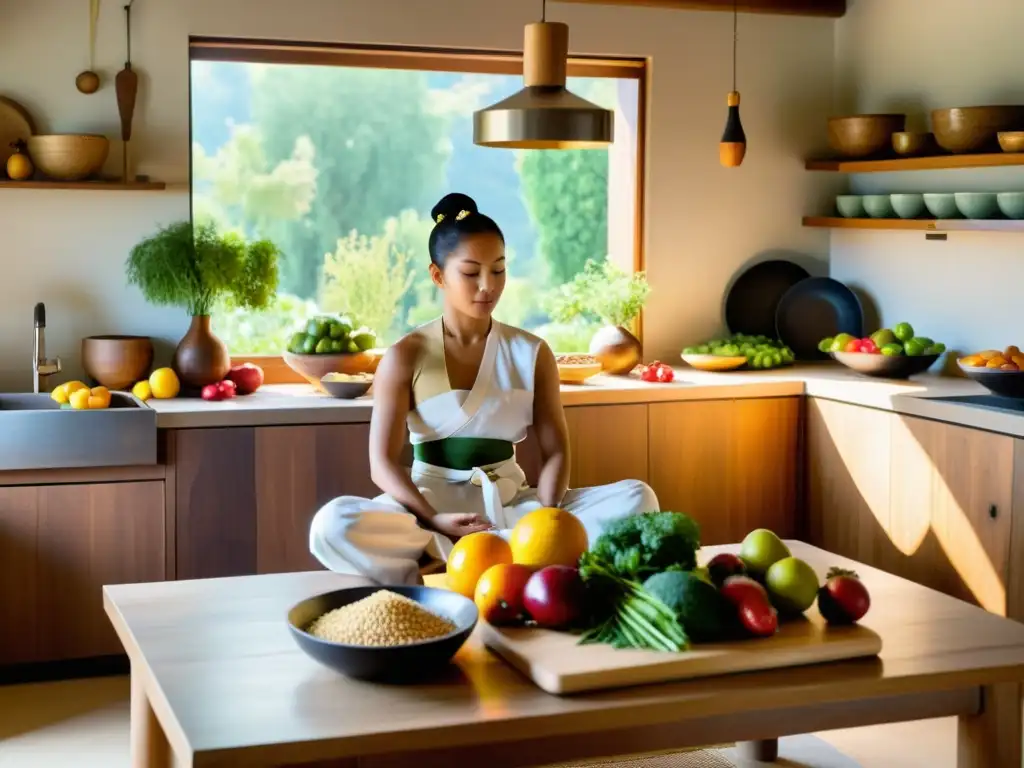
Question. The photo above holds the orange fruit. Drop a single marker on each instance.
(1010, 351)
(99, 397)
(973, 361)
(548, 536)
(1009, 367)
(471, 556)
(988, 354)
(995, 362)
(499, 593)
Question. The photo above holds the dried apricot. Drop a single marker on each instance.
(996, 362)
(988, 354)
(973, 361)
(1010, 351)
(1009, 367)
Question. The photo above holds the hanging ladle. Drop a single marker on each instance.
(88, 81)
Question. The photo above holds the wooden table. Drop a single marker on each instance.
(217, 679)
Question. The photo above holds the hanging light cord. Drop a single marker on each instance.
(543, 10)
(735, 38)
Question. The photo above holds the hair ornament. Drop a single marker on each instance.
(462, 214)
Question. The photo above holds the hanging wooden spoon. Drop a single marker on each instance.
(88, 81)
(127, 86)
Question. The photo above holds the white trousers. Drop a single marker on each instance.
(380, 540)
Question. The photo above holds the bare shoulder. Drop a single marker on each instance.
(402, 357)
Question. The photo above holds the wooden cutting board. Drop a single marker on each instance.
(557, 664)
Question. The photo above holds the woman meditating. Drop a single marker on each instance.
(465, 388)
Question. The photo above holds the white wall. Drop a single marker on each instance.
(702, 222)
(905, 55)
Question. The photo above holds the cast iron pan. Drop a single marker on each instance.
(754, 296)
(813, 309)
(393, 664)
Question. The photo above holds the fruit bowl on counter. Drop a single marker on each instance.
(1001, 373)
(738, 351)
(890, 353)
(331, 344)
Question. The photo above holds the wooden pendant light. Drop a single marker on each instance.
(733, 147)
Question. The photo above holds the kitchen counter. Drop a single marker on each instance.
(277, 405)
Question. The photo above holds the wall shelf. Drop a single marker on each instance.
(917, 225)
(936, 163)
(92, 186)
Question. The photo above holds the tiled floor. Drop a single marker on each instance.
(47, 725)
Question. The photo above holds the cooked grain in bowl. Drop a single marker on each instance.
(384, 618)
(576, 360)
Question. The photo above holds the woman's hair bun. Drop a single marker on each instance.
(451, 205)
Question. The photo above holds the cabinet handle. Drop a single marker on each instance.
(993, 511)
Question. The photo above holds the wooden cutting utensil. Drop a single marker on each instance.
(127, 86)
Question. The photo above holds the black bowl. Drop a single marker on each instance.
(1003, 383)
(885, 367)
(399, 663)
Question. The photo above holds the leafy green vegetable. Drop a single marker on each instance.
(605, 291)
(634, 548)
(704, 614)
(639, 546)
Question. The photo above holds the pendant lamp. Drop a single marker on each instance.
(544, 114)
(733, 146)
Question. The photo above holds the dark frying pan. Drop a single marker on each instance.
(813, 309)
(754, 296)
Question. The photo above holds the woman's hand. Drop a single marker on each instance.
(454, 525)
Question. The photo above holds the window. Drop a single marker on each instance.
(338, 154)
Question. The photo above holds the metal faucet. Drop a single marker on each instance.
(41, 367)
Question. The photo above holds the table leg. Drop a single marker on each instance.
(992, 738)
(149, 745)
(762, 751)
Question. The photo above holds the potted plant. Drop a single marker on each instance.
(194, 268)
(608, 293)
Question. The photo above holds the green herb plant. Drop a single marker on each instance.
(630, 550)
(602, 291)
(196, 268)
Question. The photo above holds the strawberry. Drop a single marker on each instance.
(843, 599)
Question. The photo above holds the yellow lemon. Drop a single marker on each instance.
(74, 386)
(142, 390)
(79, 399)
(164, 384)
(99, 397)
(548, 536)
(59, 394)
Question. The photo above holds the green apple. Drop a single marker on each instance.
(883, 337)
(892, 350)
(903, 331)
(761, 549)
(792, 585)
(839, 342)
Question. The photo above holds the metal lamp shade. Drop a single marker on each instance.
(544, 115)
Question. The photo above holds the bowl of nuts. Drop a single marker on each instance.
(347, 386)
(575, 369)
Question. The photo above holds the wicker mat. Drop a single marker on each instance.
(702, 758)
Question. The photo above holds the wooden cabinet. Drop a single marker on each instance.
(732, 465)
(607, 443)
(298, 470)
(929, 501)
(951, 508)
(848, 465)
(59, 544)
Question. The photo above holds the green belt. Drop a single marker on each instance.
(463, 452)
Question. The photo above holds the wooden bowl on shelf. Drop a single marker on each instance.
(910, 144)
(974, 129)
(314, 367)
(68, 157)
(117, 362)
(715, 363)
(1011, 141)
(863, 135)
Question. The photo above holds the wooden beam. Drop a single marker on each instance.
(828, 8)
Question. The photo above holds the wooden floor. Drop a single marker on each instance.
(84, 724)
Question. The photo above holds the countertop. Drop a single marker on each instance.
(276, 405)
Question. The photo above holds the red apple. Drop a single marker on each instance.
(248, 377)
(739, 589)
(724, 565)
(555, 597)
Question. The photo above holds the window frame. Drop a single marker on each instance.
(435, 59)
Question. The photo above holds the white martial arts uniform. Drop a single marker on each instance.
(377, 538)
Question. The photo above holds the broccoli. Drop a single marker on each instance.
(639, 546)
